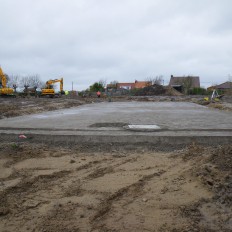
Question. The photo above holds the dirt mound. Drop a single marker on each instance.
(214, 170)
(157, 90)
(172, 92)
(150, 90)
(12, 107)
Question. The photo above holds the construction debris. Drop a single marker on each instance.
(157, 90)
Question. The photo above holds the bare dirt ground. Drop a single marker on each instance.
(114, 189)
(11, 107)
(85, 188)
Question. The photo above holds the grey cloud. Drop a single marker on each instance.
(86, 40)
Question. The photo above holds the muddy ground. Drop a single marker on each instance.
(46, 188)
(115, 188)
(12, 107)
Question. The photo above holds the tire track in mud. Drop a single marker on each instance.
(96, 169)
(111, 211)
(134, 189)
(148, 199)
(23, 199)
(131, 191)
(60, 218)
(101, 171)
(12, 198)
(77, 190)
(90, 164)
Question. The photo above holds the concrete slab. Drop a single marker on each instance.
(107, 122)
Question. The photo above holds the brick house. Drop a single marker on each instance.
(129, 86)
(223, 87)
(184, 83)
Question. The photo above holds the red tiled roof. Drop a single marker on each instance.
(142, 84)
(137, 84)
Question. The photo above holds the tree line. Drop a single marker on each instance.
(30, 81)
(101, 84)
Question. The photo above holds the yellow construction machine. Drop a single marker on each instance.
(49, 90)
(4, 90)
(215, 97)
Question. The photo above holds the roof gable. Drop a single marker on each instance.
(194, 81)
(225, 85)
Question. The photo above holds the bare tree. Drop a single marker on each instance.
(14, 81)
(25, 82)
(35, 81)
(102, 82)
(157, 80)
(187, 84)
(32, 81)
(114, 84)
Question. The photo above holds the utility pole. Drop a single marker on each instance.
(72, 86)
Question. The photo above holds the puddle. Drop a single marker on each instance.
(110, 124)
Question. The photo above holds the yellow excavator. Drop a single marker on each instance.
(4, 90)
(49, 90)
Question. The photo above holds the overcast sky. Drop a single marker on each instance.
(88, 40)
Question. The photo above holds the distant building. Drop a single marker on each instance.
(129, 86)
(223, 87)
(142, 84)
(184, 83)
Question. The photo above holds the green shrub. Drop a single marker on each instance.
(134, 92)
(198, 91)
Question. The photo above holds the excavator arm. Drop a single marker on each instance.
(4, 91)
(51, 82)
(3, 78)
(49, 90)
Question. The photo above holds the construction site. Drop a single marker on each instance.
(129, 163)
(150, 159)
(116, 116)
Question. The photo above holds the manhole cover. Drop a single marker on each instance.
(142, 127)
